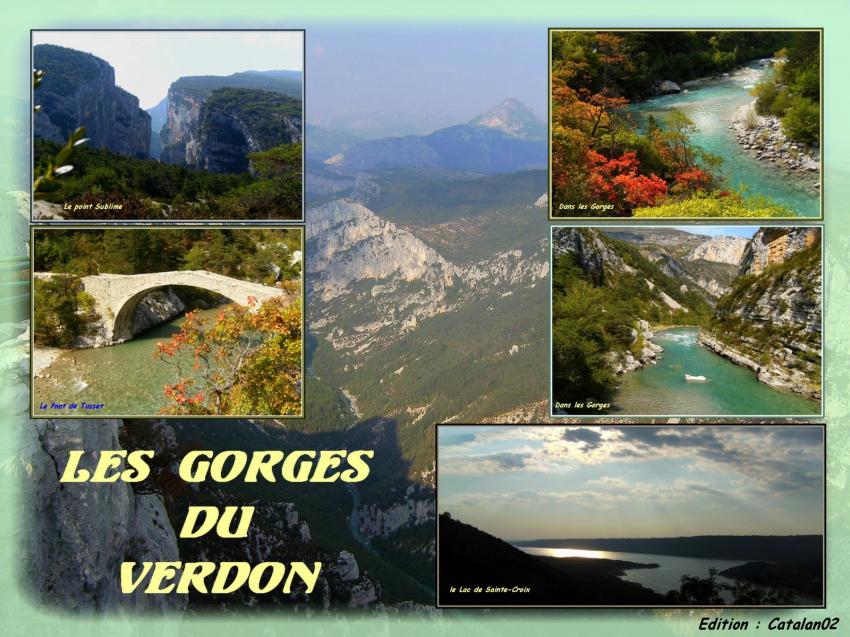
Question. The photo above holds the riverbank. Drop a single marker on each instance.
(42, 358)
(762, 137)
(647, 354)
(712, 104)
(774, 375)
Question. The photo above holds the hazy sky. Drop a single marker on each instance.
(147, 62)
(746, 232)
(574, 482)
(414, 79)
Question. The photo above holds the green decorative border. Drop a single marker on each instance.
(21, 616)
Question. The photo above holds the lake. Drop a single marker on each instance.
(661, 389)
(661, 580)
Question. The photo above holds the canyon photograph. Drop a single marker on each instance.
(687, 321)
(167, 125)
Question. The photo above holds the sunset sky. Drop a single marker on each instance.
(593, 482)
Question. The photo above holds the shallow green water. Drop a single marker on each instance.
(710, 107)
(731, 390)
(125, 378)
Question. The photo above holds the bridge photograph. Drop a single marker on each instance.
(159, 322)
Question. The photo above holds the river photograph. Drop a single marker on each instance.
(687, 321)
(680, 124)
(167, 322)
(630, 516)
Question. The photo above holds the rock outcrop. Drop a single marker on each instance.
(770, 246)
(763, 137)
(375, 521)
(647, 354)
(668, 86)
(770, 321)
(79, 90)
(377, 281)
(721, 249)
(158, 307)
(78, 534)
(214, 122)
(590, 252)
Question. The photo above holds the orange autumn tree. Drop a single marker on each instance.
(599, 155)
(246, 361)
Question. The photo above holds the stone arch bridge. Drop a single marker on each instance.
(117, 295)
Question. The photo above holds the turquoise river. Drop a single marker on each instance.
(730, 390)
(125, 378)
(710, 105)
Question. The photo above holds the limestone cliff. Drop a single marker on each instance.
(418, 507)
(79, 90)
(77, 535)
(770, 321)
(721, 249)
(377, 281)
(214, 122)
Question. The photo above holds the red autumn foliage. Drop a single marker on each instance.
(618, 180)
(693, 179)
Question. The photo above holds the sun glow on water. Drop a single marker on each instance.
(559, 552)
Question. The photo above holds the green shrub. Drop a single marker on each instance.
(802, 120)
(62, 311)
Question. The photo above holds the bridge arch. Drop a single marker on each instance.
(118, 295)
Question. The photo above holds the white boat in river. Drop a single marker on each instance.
(695, 379)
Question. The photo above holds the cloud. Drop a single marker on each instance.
(761, 460)
(489, 463)
(591, 438)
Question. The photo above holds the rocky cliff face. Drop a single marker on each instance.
(235, 122)
(589, 251)
(702, 263)
(79, 90)
(212, 123)
(721, 249)
(180, 120)
(770, 321)
(362, 261)
(378, 281)
(157, 308)
(77, 535)
(415, 509)
(774, 245)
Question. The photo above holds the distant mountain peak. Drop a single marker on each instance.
(513, 117)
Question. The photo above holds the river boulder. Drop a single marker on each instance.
(667, 86)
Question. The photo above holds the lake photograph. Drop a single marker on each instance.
(541, 515)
